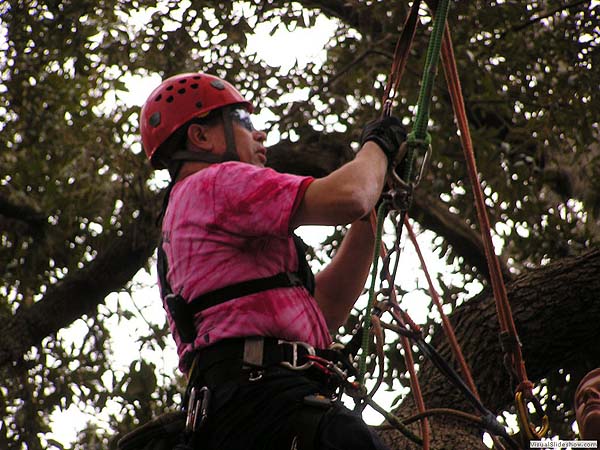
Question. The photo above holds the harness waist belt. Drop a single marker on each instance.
(244, 355)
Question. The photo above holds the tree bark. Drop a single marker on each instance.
(555, 309)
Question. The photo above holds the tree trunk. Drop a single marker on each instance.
(555, 308)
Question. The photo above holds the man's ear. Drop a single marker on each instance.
(198, 137)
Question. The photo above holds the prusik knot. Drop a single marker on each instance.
(413, 141)
(526, 387)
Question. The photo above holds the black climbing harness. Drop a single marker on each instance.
(183, 311)
(243, 361)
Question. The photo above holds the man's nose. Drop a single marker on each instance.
(590, 392)
(259, 136)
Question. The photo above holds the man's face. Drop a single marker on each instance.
(587, 407)
(248, 141)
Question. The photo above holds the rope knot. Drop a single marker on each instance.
(526, 387)
(414, 141)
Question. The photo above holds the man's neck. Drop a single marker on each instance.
(191, 167)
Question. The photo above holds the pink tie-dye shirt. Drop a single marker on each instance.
(229, 223)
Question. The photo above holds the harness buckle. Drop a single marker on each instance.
(197, 409)
(293, 365)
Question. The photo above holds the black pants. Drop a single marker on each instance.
(271, 414)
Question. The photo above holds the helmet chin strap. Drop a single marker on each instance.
(230, 154)
(180, 157)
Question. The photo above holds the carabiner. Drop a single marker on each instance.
(522, 414)
(424, 166)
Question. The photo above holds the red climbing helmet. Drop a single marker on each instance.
(177, 101)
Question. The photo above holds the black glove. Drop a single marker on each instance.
(387, 132)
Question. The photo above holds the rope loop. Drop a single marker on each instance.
(418, 142)
(526, 387)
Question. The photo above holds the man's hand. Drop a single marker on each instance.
(388, 133)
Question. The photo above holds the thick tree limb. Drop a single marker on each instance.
(555, 309)
(79, 293)
(22, 212)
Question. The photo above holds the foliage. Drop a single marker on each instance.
(73, 178)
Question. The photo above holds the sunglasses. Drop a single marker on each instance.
(241, 116)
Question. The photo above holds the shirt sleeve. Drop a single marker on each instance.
(255, 201)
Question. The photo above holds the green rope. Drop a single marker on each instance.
(362, 365)
(418, 138)
(430, 71)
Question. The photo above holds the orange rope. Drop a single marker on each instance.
(507, 325)
(401, 54)
(446, 325)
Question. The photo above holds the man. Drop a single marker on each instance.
(245, 311)
(587, 406)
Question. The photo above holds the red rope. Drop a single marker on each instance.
(401, 54)
(408, 358)
(446, 325)
(507, 324)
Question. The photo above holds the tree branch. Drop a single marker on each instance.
(80, 292)
(22, 212)
(537, 19)
(551, 307)
(432, 214)
(347, 13)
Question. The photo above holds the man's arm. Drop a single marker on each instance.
(346, 194)
(342, 281)
(343, 197)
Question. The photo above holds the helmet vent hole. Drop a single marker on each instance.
(198, 105)
(194, 86)
(154, 120)
(217, 84)
(170, 88)
(197, 77)
(182, 81)
(158, 98)
(181, 91)
(170, 99)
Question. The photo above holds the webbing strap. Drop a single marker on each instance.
(183, 312)
(216, 297)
